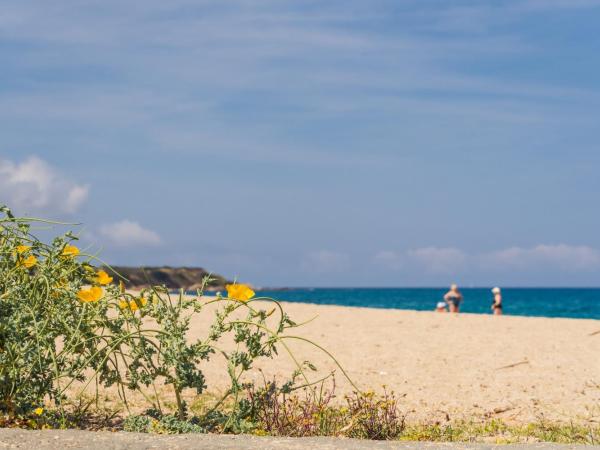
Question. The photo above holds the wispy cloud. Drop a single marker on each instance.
(33, 185)
(128, 233)
(442, 260)
(390, 259)
(450, 260)
(325, 261)
(554, 256)
(434, 260)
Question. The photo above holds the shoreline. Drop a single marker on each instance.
(577, 303)
(430, 311)
(379, 308)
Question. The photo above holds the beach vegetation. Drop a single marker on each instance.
(313, 412)
(65, 327)
(318, 412)
(499, 432)
(69, 328)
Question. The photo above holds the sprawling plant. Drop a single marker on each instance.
(64, 323)
(150, 343)
(49, 316)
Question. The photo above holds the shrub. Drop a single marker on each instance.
(49, 316)
(63, 321)
(164, 424)
(163, 353)
(374, 416)
(277, 411)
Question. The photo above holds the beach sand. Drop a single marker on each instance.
(447, 367)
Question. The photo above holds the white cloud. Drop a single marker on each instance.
(439, 260)
(128, 233)
(389, 259)
(34, 185)
(450, 260)
(543, 256)
(325, 261)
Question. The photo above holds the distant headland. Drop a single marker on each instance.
(187, 278)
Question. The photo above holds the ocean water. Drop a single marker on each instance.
(546, 302)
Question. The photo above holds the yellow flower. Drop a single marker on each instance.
(28, 262)
(38, 411)
(90, 295)
(103, 278)
(70, 250)
(22, 249)
(239, 292)
(132, 305)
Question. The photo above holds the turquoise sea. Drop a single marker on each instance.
(546, 302)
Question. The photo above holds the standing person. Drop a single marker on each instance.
(454, 298)
(497, 301)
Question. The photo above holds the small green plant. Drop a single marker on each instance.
(279, 411)
(49, 320)
(150, 344)
(502, 433)
(161, 424)
(374, 416)
(65, 324)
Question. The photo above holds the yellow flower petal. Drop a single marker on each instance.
(241, 292)
(70, 250)
(22, 249)
(28, 262)
(90, 295)
(103, 278)
(132, 305)
(38, 411)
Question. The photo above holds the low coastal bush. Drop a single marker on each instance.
(500, 432)
(313, 412)
(279, 411)
(65, 324)
(49, 317)
(363, 415)
(162, 424)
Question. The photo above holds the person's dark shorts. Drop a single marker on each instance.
(454, 302)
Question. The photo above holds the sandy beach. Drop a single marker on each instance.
(450, 367)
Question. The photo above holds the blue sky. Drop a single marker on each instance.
(311, 143)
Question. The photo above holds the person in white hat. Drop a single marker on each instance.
(497, 301)
(440, 307)
(453, 298)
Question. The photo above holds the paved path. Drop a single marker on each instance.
(75, 439)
